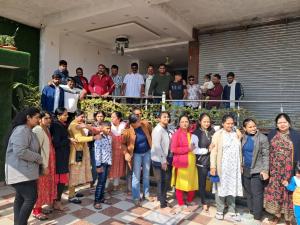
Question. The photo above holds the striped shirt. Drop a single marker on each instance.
(133, 83)
(103, 150)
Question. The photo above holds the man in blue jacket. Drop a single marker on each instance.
(53, 95)
(232, 91)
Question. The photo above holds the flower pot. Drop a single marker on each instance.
(9, 47)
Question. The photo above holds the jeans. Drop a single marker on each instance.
(161, 177)
(202, 174)
(100, 187)
(139, 160)
(220, 202)
(93, 163)
(254, 189)
(178, 103)
(297, 213)
(26, 196)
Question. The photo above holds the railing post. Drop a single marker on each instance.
(146, 103)
(163, 101)
(238, 115)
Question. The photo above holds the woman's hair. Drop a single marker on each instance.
(297, 167)
(99, 112)
(44, 113)
(118, 114)
(248, 120)
(78, 112)
(227, 116)
(282, 115)
(132, 118)
(59, 111)
(201, 117)
(21, 119)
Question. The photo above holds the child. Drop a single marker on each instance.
(294, 186)
(103, 158)
(208, 84)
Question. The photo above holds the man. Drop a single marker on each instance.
(117, 79)
(62, 71)
(101, 83)
(160, 83)
(177, 90)
(214, 93)
(52, 95)
(232, 91)
(148, 78)
(71, 98)
(81, 82)
(133, 85)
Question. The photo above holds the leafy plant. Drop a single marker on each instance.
(7, 40)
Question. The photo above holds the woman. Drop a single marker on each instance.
(61, 143)
(46, 184)
(194, 93)
(159, 156)
(184, 174)
(22, 163)
(79, 162)
(225, 161)
(117, 169)
(255, 149)
(204, 132)
(99, 117)
(284, 152)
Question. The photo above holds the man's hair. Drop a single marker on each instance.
(150, 65)
(162, 64)
(79, 68)
(134, 64)
(56, 76)
(70, 79)
(177, 73)
(63, 62)
(106, 124)
(230, 74)
(114, 67)
(217, 76)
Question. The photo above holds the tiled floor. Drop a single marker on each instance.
(122, 211)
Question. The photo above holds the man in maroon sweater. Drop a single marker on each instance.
(101, 83)
(215, 93)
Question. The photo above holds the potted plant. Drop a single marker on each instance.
(8, 42)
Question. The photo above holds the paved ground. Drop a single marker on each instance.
(122, 211)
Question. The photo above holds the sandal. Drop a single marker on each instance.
(106, 201)
(275, 220)
(59, 207)
(97, 205)
(47, 211)
(40, 216)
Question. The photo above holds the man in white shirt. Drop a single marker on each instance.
(133, 86)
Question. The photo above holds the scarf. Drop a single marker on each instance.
(232, 93)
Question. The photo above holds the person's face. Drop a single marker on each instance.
(134, 69)
(114, 71)
(101, 70)
(138, 113)
(56, 81)
(283, 125)
(106, 130)
(99, 117)
(230, 79)
(250, 128)
(205, 123)
(191, 80)
(150, 70)
(80, 118)
(63, 67)
(162, 69)
(228, 124)
(178, 78)
(46, 120)
(79, 72)
(33, 121)
(63, 117)
(184, 123)
(164, 119)
(114, 119)
(215, 80)
(206, 79)
(71, 84)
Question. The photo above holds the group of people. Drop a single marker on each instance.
(66, 91)
(44, 155)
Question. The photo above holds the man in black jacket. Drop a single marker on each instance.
(232, 91)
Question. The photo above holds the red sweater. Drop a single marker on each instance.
(215, 94)
(101, 84)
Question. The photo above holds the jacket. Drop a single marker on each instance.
(239, 93)
(160, 144)
(48, 95)
(101, 84)
(216, 153)
(128, 138)
(61, 143)
(214, 94)
(180, 149)
(22, 158)
(260, 158)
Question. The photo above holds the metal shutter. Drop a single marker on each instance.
(266, 60)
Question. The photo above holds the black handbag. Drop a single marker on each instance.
(203, 160)
(79, 156)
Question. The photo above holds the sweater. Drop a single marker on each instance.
(294, 186)
(44, 144)
(160, 145)
(22, 158)
(160, 84)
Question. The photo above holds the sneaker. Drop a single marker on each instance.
(235, 217)
(75, 200)
(137, 202)
(219, 216)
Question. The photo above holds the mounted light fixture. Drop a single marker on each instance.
(121, 43)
